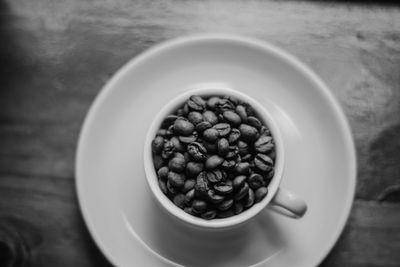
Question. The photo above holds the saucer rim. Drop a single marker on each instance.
(187, 40)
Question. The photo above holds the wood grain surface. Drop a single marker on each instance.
(56, 55)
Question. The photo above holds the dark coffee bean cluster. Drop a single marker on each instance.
(214, 157)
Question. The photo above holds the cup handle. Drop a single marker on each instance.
(288, 203)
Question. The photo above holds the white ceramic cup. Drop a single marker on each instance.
(288, 203)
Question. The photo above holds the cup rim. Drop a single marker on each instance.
(151, 175)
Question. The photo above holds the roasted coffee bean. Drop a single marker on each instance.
(179, 155)
(212, 148)
(168, 150)
(233, 153)
(231, 117)
(220, 175)
(270, 175)
(183, 126)
(253, 121)
(249, 109)
(171, 129)
(196, 213)
(163, 186)
(223, 129)
(189, 210)
(242, 168)
(272, 154)
(255, 181)
(179, 200)
(209, 215)
(225, 214)
(213, 178)
(263, 162)
(171, 189)
(194, 168)
(225, 205)
(164, 133)
(223, 188)
(213, 197)
(176, 179)
(243, 147)
(248, 200)
(202, 126)
(211, 135)
(252, 165)
(168, 121)
(187, 156)
(213, 162)
(228, 182)
(238, 208)
(188, 185)
(247, 158)
(241, 111)
(177, 144)
(221, 118)
(223, 105)
(238, 182)
(210, 116)
(157, 144)
(223, 147)
(162, 173)
(265, 131)
(247, 132)
(199, 205)
(263, 144)
(177, 164)
(179, 112)
(234, 136)
(188, 139)
(201, 187)
(189, 196)
(185, 109)
(195, 117)
(233, 100)
(228, 164)
(158, 162)
(243, 191)
(260, 194)
(197, 151)
(196, 102)
(212, 101)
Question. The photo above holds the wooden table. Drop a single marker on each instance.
(56, 55)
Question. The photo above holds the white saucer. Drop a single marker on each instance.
(128, 225)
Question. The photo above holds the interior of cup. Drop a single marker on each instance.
(151, 175)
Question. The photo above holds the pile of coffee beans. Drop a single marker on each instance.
(214, 158)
